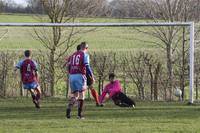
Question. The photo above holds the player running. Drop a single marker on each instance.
(115, 93)
(29, 76)
(78, 66)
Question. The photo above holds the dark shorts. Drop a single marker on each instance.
(89, 80)
(122, 100)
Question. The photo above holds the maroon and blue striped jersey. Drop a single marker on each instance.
(76, 63)
(28, 70)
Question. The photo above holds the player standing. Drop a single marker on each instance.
(90, 82)
(29, 76)
(78, 66)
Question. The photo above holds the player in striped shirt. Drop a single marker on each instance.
(90, 83)
(29, 76)
(78, 66)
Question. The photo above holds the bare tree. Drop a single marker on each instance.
(92, 8)
(173, 40)
(144, 70)
(197, 72)
(1, 5)
(56, 40)
(82, 8)
(168, 11)
(123, 68)
(137, 72)
(125, 8)
(154, 70)
(4, 73)
(103, 63)
(2, 33)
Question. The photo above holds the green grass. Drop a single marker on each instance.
(101, 39)
(19, 116)
(17, 18)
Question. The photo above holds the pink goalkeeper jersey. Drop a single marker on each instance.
(111, 89)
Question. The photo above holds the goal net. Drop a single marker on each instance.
(152, 60)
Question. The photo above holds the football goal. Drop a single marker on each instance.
(189, 25)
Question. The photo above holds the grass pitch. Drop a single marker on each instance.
(104, 38)
(20, 116)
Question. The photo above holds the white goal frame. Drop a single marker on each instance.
(186, 24)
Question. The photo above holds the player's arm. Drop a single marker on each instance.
(88, 68)
(102, 97)
(17, 66)
(36, 71)
(15, 69)
(37, 76)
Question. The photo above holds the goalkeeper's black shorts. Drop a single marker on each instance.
(89, 80)
(122, 100)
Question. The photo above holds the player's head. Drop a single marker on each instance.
(78, 47)
(27, 53)
(111, 77)
(84, 46)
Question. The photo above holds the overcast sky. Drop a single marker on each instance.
(23, 2)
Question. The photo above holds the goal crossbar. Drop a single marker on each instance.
(187, 24)
(95, 24)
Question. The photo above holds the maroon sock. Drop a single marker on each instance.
(33, 97)
(38, 96)
(80, 107)
(71, 102)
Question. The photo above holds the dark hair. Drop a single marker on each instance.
(83, 45)
(111, 75)
(27, 53)
(78, 47)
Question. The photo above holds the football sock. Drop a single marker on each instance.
(80, 107)
(68, 113)
(38, 95)
(95, 95)
(71, 102)
(33, 97)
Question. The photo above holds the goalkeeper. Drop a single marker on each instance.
(115, 93)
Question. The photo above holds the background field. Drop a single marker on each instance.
(102, 38)
(121, 40)
(19, 116)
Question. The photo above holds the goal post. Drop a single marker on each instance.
(186, 24)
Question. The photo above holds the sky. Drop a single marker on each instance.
(21, 2)
(24, 3)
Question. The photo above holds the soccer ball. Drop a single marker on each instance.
(178, 92)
